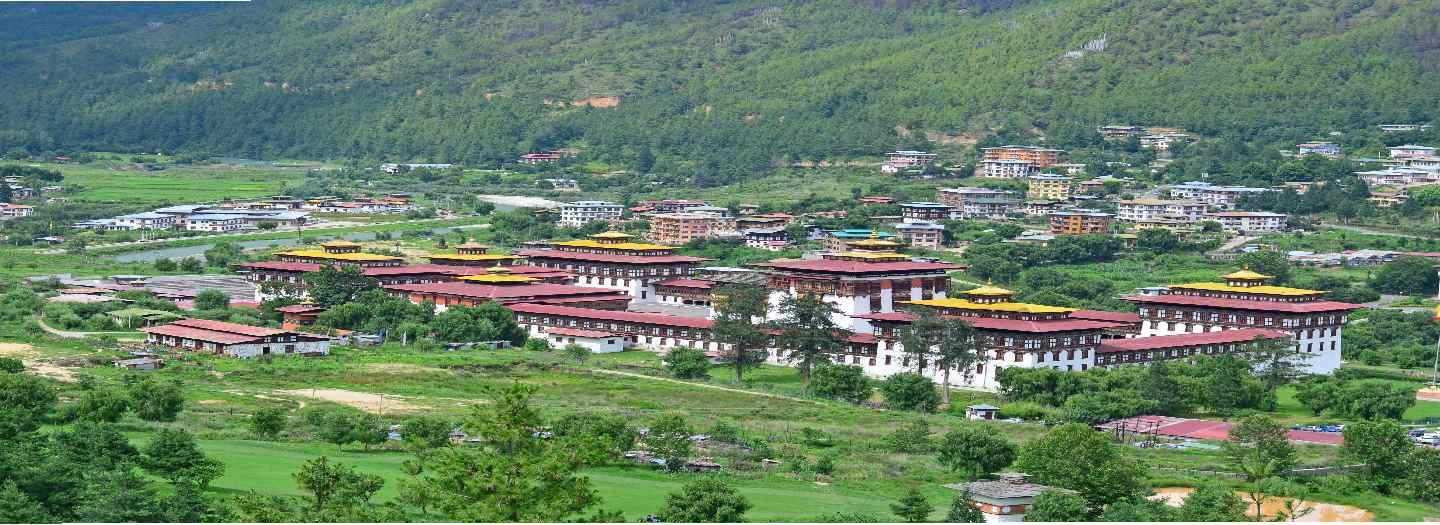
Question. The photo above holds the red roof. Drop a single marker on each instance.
(1245, 304)
(198, 334)
(281, 266)
(1008, 325)
(581, 299)
(300, 309)
(414, 269)
(1182, 340)
(234, 328)
(487, 291)
(575, 332)
(687, 283)
(1102, 315)
(609, 258)
(833, 266)
(611, 315)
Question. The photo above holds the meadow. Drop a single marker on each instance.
(128, 183)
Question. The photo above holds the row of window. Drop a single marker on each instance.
(1215, 317)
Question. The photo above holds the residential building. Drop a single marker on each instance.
(997, 208)
(1116, 132)
(1173, 223)
(1402, 128)
(672, 205)
(296, 317)
(1038, 157)
(596, 341)
(397, 168)
(1219, 196)
(925, 211)
(234, 340)
(877, 199)
(1144, 209)
(1245, 300)
(216, 223)
(1048, 186)
(1396, 176)
(957, 197)
(1387, 199)
(613, 260)
(543, 157)
(1247, 222)
(1162, 141)
(683, 227)
(869, 277)
(897, 161)
(144, 221)
(1430, 164)
(11, 210)
(1069, 168)
(921, 233)
(1039, 207)
(1079, 222)
(1410, 151)
(579, 213)
(1328, 149)
(1005, 169)
(773, 239)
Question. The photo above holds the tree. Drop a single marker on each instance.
(705, 500)
(1056, 505)
(1157, 240)
(913, 438)
(687, 363)
(913, 507)
(576, 353)
(948, 342)
(1076, 457)
(808, 333)
(211, 299)
(369, 430)
(102, 405)
(738, 325)
(330, 286)
(843, 382)
(1272, 263)
(1258, 438)
(1278, 362)
(604, 436)
(173, 455)
(1212, 503)
(1138, 509)
(16, 507)
(24, 400)
(154, 400)
(337, 428)
(910, 391)
(268, 421)
(190, 265)
(1408, 275)
(1423, 479)
(669, 440)
(975, 451)
(426, 432)
(164, 265)
(963, 511)
(515, 475)
(334, 486)
(1383, 446)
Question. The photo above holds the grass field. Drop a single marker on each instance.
(123, 182)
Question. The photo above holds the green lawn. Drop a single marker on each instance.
(125, 183)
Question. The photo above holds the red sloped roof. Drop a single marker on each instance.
(1245, 304)
(575, 332)
(608, 258)
(611, 315)
(580, 299)
(833, 266)
(199, 334)
(281, 266)
(486, 291)
(1183, 340)
(1102, 315)
(414, 269)
(1009, 325)
(233, 328)
(687, 283)
(300, 308)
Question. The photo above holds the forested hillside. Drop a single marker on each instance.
(716, 88)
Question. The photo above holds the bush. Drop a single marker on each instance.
(11, 365)
(687, 363)
(910, 391)
(843, 382)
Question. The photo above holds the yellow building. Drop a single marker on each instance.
(1048, 186)
(343, 252)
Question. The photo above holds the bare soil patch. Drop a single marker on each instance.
(1319, 512)
(372, 403)
(27, 355)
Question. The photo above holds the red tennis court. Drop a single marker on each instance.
(1204, 429)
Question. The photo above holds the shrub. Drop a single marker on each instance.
(910, 391)
(687, 363)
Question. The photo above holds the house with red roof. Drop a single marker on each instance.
(234, 340)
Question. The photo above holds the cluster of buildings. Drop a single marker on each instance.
(1015, 162)
(1407, 165)
(546, 157)
(898, 161)
(281, 211)
(1155, 138)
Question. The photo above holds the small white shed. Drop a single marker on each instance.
(599, 342)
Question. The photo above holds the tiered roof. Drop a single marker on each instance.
(1244, 290)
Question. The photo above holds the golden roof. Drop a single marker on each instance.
(1258, 290)
(355, 256)
(471, 245)
(340, 243)
(628, 246)
(472, 256)
(1247, 275)
(1024, 308)
(872, 255)
(873, 243)
(989, 290)
(497, 279)
(612, 235)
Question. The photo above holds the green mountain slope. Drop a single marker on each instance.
(722, 88)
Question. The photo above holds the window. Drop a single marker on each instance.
(887, 360)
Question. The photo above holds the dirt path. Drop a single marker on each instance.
(81, 335)
(703, 385)
(27, 355)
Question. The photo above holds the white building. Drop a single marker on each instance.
(1005, 169)
(11, 211)
(596, 341)
(1219, 196)
(1250, 221)
(1070, 168)
(216, 222)
(579, 213)
(920, 233)
(145, 221)
(897, 161)
(1328, 149)
(1401, 128)
(234, 340)
(1147, 209)
(1411, 151)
